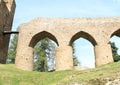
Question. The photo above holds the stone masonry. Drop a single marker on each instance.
(64, 31)
(7, 9)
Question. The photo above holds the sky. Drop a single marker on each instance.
(27, 10)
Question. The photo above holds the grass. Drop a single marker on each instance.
(9, 75)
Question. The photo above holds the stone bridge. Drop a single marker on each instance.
(64, 31)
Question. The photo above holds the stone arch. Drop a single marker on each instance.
(114, 38)
(24, 59)
(117, 33)
(83, 35)
(86, 36)
(40, 36)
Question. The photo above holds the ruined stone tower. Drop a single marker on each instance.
(7, 9)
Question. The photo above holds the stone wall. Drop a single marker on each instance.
(64, 31)
(7, 9)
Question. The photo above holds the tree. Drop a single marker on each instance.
(116, 56)
(40, 61)
(44, 55)
(75, 59)
(12, 49)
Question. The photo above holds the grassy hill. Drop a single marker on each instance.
(9, 75)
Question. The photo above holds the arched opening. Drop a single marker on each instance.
(44, 45)
(83, 45)
(115, 45)
(40, 36)
(83, 35)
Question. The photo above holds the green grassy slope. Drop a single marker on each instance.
(9, 75)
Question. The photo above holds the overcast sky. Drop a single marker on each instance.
(26, 10)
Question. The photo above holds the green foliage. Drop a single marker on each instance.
(76, 62)
(44, 54)
(116, 56)
(12, 49)
(40, 59)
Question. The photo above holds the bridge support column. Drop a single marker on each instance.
(64, 58)
(24, 58)
(103, 54)
(24, 55)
